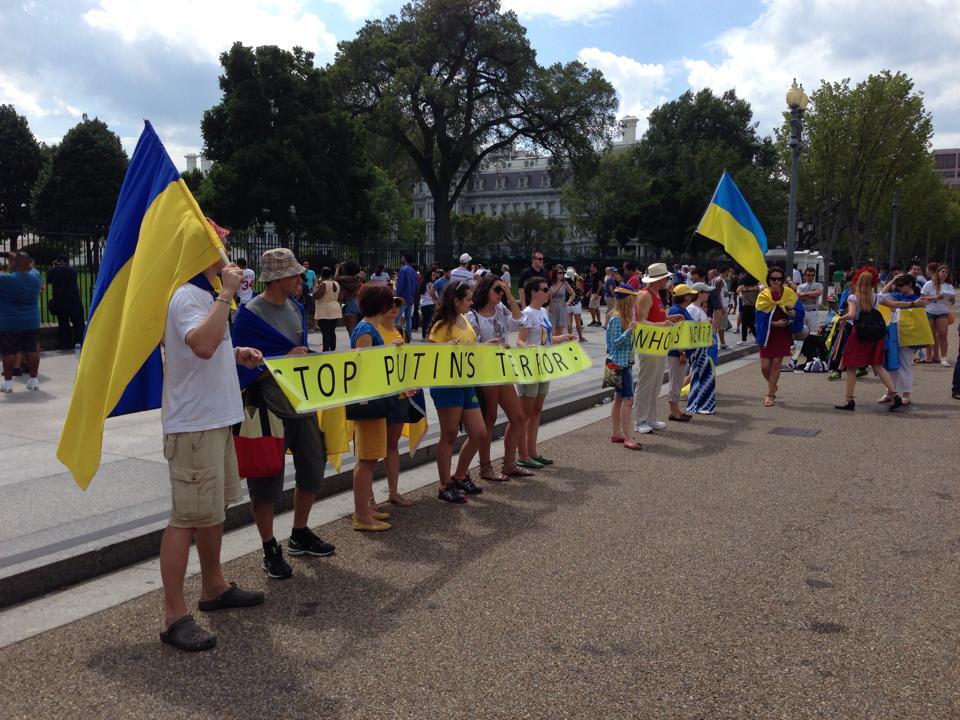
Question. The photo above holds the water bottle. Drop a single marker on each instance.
(76, 349)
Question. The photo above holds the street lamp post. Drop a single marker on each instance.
(797, 103)
(893, 225)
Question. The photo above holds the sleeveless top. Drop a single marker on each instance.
(657, 313)
(365, 328)
(328, 306)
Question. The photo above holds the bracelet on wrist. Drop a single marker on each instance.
(223, 300)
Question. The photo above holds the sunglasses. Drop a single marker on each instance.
(397, 302)
(776, 279)
(498, 291)
(538, 257)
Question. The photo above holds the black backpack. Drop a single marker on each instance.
(870, 325)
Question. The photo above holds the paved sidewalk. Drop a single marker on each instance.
(724, 572)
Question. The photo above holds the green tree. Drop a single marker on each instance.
(390, 211)
(452, 81)
(529, 230)
(283, 152)
(475, 233)
(78, 186)
(20, 161)
(862, 142)
(194, 180)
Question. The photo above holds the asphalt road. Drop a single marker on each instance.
(723, 572)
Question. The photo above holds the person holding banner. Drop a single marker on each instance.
(398, 415)
(491, 320)
(702, 397)
(650, 368)
(456, 405)
(677, 360)
(374, 303)
(620, 363)
(535, 329)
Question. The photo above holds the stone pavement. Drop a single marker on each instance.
(45, 519)
(723, 572)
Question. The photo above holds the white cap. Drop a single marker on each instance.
(465, 258)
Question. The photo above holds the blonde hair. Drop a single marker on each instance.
(936, 276)
(864, 291)
(620, 305)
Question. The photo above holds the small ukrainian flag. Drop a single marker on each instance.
(730, 222)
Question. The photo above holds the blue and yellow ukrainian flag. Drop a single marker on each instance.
(158, 240)
(730, 222)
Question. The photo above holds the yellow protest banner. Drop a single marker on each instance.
(315, 382)
(658, 339)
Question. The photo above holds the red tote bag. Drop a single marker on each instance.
(260, 453)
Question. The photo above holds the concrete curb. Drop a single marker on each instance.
(139, 540)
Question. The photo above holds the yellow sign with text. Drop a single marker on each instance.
(315, 382)
(658, 339)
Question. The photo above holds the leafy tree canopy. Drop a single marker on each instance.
(451, 81)
(78, 186)
(20, 162)
(283, 152)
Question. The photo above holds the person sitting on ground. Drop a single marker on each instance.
(201, 402)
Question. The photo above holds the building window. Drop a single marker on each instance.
(544, 181)
(945, 162)
(524, 182)
(550, 208)
(501, 183)
(420, 212)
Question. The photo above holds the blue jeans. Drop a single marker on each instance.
(406, 324)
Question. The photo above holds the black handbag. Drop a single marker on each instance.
(371, 410)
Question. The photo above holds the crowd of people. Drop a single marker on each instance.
(216, 340)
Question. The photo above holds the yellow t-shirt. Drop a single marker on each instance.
(453, 333)
(389, 333)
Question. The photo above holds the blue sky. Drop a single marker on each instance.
(123, 60)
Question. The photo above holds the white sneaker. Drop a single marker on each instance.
(33, 384)
(7, 386)
(944, 362)
(658, 425)
(642, 428)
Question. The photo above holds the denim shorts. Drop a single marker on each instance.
(462, 397)
(351, 307)
(626, 388)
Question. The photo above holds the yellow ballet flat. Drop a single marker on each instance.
(375, 527)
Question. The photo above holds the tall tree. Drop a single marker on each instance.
(283, 152)
(78, 186)
(20, 163)
(452, 81)
(530, 230)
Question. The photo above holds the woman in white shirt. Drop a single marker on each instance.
(491, 320)
(938, 288)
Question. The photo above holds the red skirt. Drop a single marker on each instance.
(858, 354)
(780, 342)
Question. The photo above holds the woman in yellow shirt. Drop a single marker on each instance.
(400, 415)
(455, 405)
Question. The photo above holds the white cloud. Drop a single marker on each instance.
(814, 40)
(358, 9)
(639, 85)
(202, 30)
(564, 10)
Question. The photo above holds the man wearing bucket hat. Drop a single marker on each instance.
(275, 324)
(650, 368)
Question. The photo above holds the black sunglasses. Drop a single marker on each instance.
(776, 279)
(397, 302)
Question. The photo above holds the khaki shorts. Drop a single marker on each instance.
(203, 476)
(533, 389)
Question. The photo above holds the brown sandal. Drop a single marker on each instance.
(493, 476)
(517, 471)
(399, 501)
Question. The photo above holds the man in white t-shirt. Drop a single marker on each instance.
(201, 401)
(380, 277)
(245, 292)
(463, 273)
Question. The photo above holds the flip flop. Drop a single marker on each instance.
(185, 634)
(617, 438)
(632, 446)
(399, 501)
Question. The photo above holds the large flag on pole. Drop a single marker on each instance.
(730, 222)
(158, 240)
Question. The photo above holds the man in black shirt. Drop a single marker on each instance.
(65, 303)
(536, 269)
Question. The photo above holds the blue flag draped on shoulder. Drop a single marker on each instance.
(730, 222)
(158, 240)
